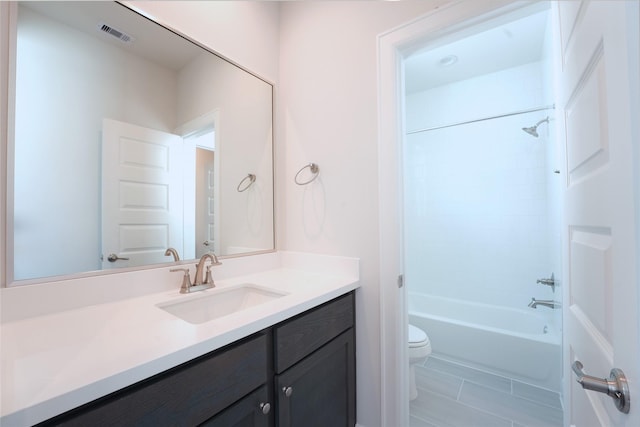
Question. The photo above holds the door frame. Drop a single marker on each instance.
(393, 47)
(210, 119)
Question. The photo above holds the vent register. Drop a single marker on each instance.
(114, 32)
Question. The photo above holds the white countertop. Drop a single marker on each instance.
(57, 361)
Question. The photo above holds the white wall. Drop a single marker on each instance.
(328, 115)
(477, 219)
(60, 137)
(323, 60)
(246, 32)
(488, 95)
(243, 141)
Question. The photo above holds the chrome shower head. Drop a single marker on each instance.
(533, 130)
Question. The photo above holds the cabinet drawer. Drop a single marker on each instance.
(297, 338)
(186, 395)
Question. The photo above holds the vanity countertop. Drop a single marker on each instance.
(54, 362)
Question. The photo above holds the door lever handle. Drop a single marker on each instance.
(114, 258)
(615, 386)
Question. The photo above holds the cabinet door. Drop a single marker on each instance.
(320, 389)
(254, 410)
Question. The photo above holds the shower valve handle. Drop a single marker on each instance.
(551, 281)
(615, 386)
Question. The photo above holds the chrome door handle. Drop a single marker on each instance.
(616, 386)
(114, 258)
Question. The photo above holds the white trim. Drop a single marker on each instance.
(392, 300)
(4, 106)
(205, 121)
(8, 34)
(392, 47)
(210, 120)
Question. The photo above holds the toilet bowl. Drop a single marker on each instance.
(419, 350)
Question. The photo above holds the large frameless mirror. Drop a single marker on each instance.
(127, 140)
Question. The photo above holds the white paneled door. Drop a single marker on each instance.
(142, 194)
(601, 301)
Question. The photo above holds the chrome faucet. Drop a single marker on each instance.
(172, 252)
(545, 303)
(199, 284)
(208, 280)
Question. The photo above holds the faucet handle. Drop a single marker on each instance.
(186, 279)
(208, 280)
(549, 282)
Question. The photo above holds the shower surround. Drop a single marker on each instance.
(477, 208)
(481, 213)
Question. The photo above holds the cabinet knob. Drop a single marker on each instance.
(288, 391)
(265, 407)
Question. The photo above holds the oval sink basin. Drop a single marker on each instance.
(214, 304)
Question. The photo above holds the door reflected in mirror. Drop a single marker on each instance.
(130, 139)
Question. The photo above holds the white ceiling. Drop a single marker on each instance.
(151, 41)
(503, 46)
(497, 46)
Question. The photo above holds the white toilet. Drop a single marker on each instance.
(419, 350)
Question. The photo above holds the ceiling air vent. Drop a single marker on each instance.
(114, 32)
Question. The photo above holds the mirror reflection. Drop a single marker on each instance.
(129, 140)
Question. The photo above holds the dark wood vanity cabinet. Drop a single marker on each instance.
(319, 391)
(315, 367)
(300, 372)
(187, 395)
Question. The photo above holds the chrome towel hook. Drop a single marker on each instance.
(243, 186)
(313, 168)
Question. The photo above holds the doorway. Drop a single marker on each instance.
(202, 184)
(202, 152)
(583, 61)
(482, 224)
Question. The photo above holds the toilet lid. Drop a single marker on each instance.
(417, 336)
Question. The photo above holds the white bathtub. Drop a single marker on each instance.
(518, 343)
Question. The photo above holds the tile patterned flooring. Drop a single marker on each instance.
(452, 395)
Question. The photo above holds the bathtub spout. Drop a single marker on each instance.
(546, 303)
